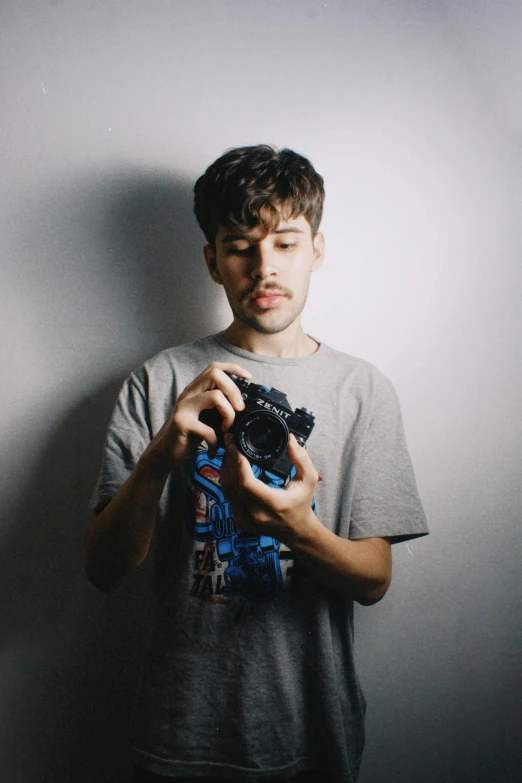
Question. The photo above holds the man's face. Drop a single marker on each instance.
(266, 279)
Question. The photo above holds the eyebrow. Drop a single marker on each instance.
(237, 237)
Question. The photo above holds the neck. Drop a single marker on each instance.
(292, 343)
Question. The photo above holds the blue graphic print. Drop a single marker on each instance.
(253, 567)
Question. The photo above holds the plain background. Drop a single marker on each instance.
(412, 111)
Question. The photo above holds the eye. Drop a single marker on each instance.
(232, 250)
(288, 245)
(241, 251)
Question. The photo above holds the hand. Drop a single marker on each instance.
(183, 430)
(285, 514)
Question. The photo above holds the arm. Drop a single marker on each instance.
(118, 539)
(358, 569)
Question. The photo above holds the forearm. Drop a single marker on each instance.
(359, 569)
(118, 539)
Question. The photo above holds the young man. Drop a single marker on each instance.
(250, 675)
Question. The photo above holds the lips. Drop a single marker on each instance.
(266, 292)
(267, 299)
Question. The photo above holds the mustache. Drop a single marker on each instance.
(269, 289)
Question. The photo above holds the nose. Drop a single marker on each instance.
(263, 262)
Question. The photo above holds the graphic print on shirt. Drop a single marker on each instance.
(231, 563)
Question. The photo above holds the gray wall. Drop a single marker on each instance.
(412, 112)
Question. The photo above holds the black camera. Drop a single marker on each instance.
(261, 430)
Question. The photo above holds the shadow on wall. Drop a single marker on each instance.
(152, 228)
(127, 253)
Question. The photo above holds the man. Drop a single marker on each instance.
(250, 674)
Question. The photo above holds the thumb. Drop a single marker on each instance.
(232, 453)
(304, 468)
(230, 446)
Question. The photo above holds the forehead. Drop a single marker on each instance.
(297, 225)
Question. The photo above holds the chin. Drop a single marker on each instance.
(266, 325)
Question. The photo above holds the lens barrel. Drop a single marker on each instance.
(262, 436)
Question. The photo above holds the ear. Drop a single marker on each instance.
(318, 243)
(210, 259)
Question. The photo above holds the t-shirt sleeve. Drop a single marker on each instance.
(386, 501)
(128, 436)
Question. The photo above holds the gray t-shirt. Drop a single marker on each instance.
(250, 674)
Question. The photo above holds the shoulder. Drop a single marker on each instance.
(152, 389)
(365, 378)
(179, 361)
(186, 353)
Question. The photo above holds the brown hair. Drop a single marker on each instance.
(254, 186)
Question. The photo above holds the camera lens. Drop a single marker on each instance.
(263, 436)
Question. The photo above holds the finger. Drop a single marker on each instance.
(228, 478)
(217, 378)
(246, 482)
(215, 400)
(207, 434)
(214, 377)
(231, 450)
(234, 458)
(235, 369)
(229, 389)
(304, 467)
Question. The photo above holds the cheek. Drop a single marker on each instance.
(302, 283)
(234, 285)
(226, 274)
(231, 280)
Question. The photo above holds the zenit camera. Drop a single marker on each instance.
(262, 429)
